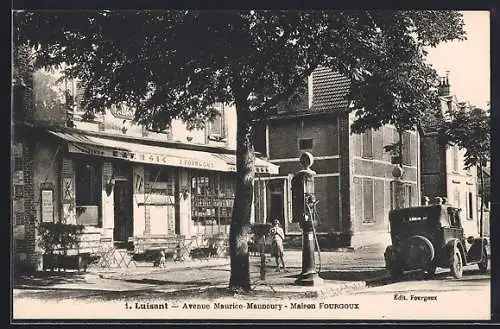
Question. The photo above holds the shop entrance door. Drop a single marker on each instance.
(123, 209)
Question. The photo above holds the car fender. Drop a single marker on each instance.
(389, 257)
(448, 251)
(474, 254)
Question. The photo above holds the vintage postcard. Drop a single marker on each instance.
(250, 164)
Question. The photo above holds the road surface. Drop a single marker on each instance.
(442, 297)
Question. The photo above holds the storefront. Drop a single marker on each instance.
(127, 189)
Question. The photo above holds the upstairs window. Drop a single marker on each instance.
(167, 131)
(216, 128)
(305, 144)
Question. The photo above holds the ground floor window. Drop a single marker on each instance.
(88, 192)
(160, 202)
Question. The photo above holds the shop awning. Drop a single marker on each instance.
(135, 152)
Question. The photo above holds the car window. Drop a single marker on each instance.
(454, 218)
(457, 219)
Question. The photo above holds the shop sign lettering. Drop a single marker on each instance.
(196, 163)
(86, 150)
(170, 160)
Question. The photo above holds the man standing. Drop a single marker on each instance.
(277, 236)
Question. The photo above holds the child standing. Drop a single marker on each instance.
(277, 236)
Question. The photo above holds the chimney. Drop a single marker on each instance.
(444, 85)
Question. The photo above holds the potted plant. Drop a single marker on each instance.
(56, 240)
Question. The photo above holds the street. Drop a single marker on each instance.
(190, 296)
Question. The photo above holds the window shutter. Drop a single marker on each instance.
(406, 148)
(68, 192)
(368, 200)
(457, 198)
(367, 144)
(455, 158)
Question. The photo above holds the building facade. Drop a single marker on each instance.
(118, 179)
(443, 172)
(353, 181)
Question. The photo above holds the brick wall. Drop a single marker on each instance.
(284, 136)
(30, 219)
(23, 87)
(330, 135)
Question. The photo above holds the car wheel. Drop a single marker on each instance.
(457, 265)
(483, 265)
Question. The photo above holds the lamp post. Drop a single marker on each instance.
(303, 187)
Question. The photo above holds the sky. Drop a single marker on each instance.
(468, 61)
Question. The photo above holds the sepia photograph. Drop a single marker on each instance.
(194, 164)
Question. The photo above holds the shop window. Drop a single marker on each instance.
(212, 198)
(88, 192)
(305, 144)
(160, 181)
(367, 144)
(215, 128)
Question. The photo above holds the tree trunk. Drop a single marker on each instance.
(240, 221)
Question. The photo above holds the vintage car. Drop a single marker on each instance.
(431, 236)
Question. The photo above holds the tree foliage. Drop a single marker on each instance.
(171, 64)
(176, 64)
(469, 128)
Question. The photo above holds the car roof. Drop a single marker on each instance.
(420, 209)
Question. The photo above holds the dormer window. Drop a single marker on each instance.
(167, 131)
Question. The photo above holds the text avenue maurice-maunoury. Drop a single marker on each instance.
(242, 306)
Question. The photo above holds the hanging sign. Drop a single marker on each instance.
(47, 205)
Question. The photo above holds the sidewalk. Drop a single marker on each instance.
(341, 272)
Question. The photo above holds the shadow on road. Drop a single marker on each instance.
(363, 275)
(169, 282)
(47, 279)
(468, 275)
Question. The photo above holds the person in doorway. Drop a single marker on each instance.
(277, 236)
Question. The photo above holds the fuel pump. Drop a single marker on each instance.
(304, 212)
